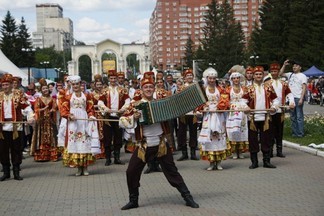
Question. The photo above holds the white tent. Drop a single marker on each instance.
(6, 66)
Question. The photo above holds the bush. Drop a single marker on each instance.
(314, 130)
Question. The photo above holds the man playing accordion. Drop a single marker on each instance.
(151, 143)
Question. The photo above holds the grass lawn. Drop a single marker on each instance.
(314, 130)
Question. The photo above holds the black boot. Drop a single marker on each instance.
(266, 161)
(117, 157)
(6, 173)
(16, 173)
(149, 168)
(157, 167)
(133, 200)
(108, 156)
(185, 193)
(254, 160)
(184, 155)
(193, 154)
(279, 151)
(271, 151)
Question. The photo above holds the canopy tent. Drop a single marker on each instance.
(313, 71)
(6, 66)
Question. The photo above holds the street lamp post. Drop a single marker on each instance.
(254, 58)
(29, 52)
(45, 63)
(58, 73)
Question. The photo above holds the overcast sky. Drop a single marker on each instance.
(123, 21)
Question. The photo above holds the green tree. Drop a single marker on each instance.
(56, 59)
(223, 42)
(290, 29)
(8, 38)
(189, 53)
(85, 68)
(315, 46)
(24, 41)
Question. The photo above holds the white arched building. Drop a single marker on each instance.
(94, 52)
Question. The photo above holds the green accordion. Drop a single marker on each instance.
(171, 107)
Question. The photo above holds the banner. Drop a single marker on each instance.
(108, 65)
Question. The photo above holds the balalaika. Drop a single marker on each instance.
(172, 107)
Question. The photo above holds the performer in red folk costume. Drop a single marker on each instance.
(213, 134)
(115, 103)
(237, 122)
(44, 142)
(13, 105)
(152, 143)
(82, 131)
(261, 98)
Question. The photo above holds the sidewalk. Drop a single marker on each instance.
(294, 188)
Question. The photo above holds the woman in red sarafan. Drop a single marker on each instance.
(44, 141)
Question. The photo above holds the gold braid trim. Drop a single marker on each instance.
(266, 122)
(282, 116)
(194, 120)
(252, 125)
(162, 148)
(142, 151)
(1, 134)
(15, 134)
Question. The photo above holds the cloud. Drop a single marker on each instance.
(81, 5)
(142, 23)
(94, 20)
(90, 31)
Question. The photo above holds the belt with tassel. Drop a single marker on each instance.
(142, 146)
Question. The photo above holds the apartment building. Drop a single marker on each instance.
(52, 28)
(173, 21)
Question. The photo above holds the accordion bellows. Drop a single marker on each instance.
(172, 107)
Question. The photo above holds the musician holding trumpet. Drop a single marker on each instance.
(151, 143)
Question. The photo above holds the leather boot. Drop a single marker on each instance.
(85, 171)
(212, 166)
(156, 165)
(185, 193)
(266, 161)
(254, 160)
(149, 168)
(184, 155)
(108, 156)
(218, 165)
(79, 172)
(6, 173)
(133, 200)
(16, 173)
(279, 150)
(193, 154)
(271, 148)
(117, 157)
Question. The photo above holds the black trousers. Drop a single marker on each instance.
(10, 146)
(277, 129)
(259, 137)
(182, 132)
(113, 135)
(136, 166)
